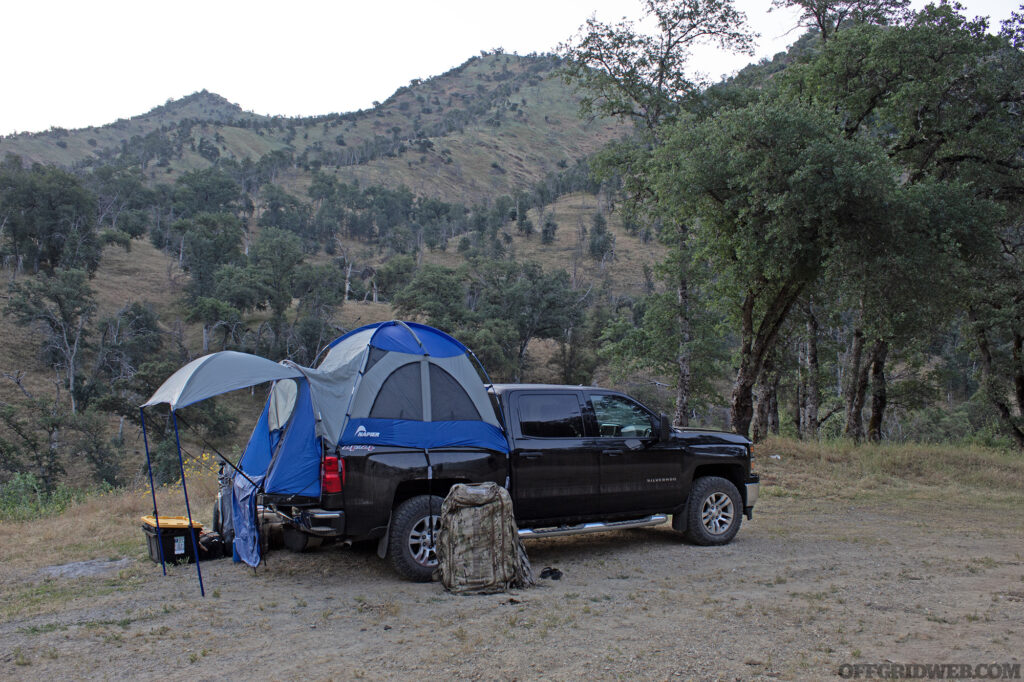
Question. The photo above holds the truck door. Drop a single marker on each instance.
(638, 475)
(555, 472)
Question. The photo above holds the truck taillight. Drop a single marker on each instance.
(331, 481)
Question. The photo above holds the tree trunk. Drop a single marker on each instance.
(878, 390)
(856, 389)
(799, 406)
(754, 347)
(1018, 370)
(206, 338)
(759, 423)
(766, 414)
(682, 415)
(813, 390)
(991, 390)
(773, 405)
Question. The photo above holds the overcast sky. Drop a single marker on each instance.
(76, 64)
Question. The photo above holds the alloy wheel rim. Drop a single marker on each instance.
(717, 513)
(421, 540)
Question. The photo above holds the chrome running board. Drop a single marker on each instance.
(597, 527)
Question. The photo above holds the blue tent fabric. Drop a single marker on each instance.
(295, 469)
(256, 457)
(431, 435)
(395, 336)
(243, 510)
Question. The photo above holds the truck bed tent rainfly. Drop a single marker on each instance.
(385, 384)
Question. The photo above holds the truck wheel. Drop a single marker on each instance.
(713, 511)
(414, 526)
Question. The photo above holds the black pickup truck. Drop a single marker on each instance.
(581, 459)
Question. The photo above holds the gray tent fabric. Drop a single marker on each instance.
(478, 546)
(218, 373)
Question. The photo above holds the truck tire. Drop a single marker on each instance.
(713, 511)
(414, 525)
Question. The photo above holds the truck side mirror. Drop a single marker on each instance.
(664, 428)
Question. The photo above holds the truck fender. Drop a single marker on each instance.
(382, 544)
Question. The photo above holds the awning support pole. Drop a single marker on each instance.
(152, 489)
(188, 510)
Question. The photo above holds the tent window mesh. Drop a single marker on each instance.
(400, 396)
(375, 355)
(282, 403)
(448, 400)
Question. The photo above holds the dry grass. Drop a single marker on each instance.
(844, 470)
(106, 526)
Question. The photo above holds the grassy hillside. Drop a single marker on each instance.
(492, 125)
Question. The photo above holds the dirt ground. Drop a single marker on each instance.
(897, 576)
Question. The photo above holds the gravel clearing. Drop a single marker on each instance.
(804, 588)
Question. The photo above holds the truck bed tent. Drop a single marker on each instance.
(392, 383)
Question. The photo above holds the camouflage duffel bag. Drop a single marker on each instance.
(478, 546)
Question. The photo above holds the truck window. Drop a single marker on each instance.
(619, 417)
(550, 415)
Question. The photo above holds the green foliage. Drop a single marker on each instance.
(275, 255)
(209, 241)
(41, 436)
(643, 338)
(395, 274)
(61, 307)
(623, 71)
(285, 212)
(547, 230)
(829, 16)
(601, 242)
(495, 307)
(24, 498)
(127, 339)
(49, 218)
(319, 288)
(943, 98)
(208, 190)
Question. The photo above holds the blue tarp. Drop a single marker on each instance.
(243, 508)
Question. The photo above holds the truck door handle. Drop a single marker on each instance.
(611, 452)
(533, 454)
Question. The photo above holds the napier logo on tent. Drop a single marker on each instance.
(361, 432)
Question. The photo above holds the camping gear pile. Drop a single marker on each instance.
(478, 546)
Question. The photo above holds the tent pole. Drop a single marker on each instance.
(152, 489)
(188, 510)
